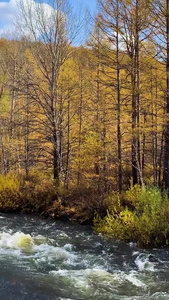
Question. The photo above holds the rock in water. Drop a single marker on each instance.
(24, 241)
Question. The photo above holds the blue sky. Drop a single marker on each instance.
(8, 7)
(91, 4)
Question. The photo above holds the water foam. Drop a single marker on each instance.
(143, 263)
(87, 277)
(159, 296)
(59, 253)
(68, 247)
(132, 277)
(17, 240)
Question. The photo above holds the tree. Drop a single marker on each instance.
(49, 32)
(108, 22)
(161, 40)
(166, 131)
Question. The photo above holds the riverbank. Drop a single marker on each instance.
(140, 215)
(39, 195)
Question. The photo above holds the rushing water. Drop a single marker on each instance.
(48, 260)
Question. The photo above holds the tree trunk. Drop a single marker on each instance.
(118, 104)
(80, 128)
(68, 140)
(166, 130)
(27, 136)
(134, 125)
(156, 135)
(160, 160)
(144, 147)
(55, 158)
(137, 65)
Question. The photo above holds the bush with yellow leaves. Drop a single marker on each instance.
(141, 215)
(10, 195)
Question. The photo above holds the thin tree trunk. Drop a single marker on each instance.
(137, 65)
(55, 157)
(3, 155)
(166, 131)
(68, 140)
(153, 130)
(80, 128)
(156, 134)
(12, 104)
(144, 147)
(27, 136)
(104, 152)
(97, 165)
(134, 124)
(13, 96)
(160, 160)
(118, 104)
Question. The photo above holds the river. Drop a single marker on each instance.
(47, 260)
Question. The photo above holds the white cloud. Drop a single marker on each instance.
(8, 10)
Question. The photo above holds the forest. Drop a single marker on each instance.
(84, 129)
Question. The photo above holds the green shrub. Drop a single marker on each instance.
(118, 226)
(143, 217)
(112, 202)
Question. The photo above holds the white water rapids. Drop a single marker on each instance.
(47, 260)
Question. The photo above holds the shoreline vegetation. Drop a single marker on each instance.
(140, 214)
(41, 195)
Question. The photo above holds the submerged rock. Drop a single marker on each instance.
(24, 241)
